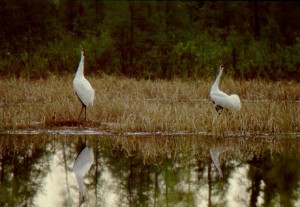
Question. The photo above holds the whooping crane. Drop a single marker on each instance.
(82, 86)
(222, 100)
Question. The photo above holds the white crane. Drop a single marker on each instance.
(82, 86)
(222, 100)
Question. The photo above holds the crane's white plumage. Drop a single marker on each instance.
(82, 165)
(82, 86)
(222, 100)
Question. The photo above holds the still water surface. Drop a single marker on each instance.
(101, 170)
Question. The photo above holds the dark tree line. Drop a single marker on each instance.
(156, 39)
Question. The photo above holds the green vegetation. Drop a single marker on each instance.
(150, 39)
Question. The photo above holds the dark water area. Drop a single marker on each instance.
(148, 170)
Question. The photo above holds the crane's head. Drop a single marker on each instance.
(82, 50)
(221, 64)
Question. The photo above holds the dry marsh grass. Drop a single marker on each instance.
(130, 105)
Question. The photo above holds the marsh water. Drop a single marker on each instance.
(38, 169)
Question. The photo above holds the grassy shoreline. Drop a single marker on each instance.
(130, 105)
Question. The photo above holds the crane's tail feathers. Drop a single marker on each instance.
(236, 102)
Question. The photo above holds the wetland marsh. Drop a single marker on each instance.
(152, 137)
(155, 143)
(130, 105)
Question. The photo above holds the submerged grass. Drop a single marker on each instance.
(153, 149)
(130, 105)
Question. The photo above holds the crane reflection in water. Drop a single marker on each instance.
(214, 153)
(81, 166)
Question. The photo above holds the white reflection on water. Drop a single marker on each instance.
(214, 153)
(56, 185)
(81, 166)
(237, 193)
(60, 187)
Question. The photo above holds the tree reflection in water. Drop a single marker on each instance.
(149, 170)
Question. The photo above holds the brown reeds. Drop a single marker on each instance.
(130, 105)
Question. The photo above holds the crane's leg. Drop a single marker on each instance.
(83, 106)
(85, 113)
(218, 108)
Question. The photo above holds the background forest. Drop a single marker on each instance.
(150, 39)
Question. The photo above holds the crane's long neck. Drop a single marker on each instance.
(80, 66)
(216, 83)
